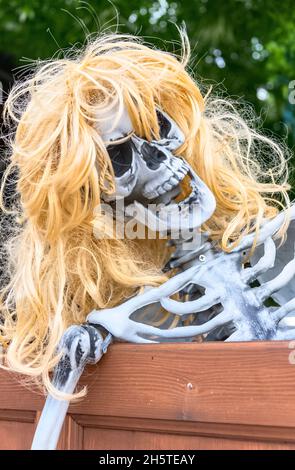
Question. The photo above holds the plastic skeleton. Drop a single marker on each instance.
(148, 171)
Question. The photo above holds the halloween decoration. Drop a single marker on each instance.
(244, 315)
(148, 171)
(125, 124)
(80, 345)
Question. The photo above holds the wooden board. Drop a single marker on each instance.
(170, 396)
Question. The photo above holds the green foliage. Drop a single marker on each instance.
(247, 47)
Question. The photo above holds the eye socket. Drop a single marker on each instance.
(164, 124)
(121, 156)
(153, 156)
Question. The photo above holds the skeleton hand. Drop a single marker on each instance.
(80, 344)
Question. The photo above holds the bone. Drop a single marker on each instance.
(184, 256)
(287, 274)
(223, 277)
(156, 172)
(171, 135)
(52, 418)
(79, 345)
(113, 122)
(208, 300)
(148, 297)
(279, 314)
(235, 337)
(264, 264)
(187, 331)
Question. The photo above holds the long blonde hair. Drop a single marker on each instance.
(58, 271)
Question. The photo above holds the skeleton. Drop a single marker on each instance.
(80, 345)
(147, 173)
(234, 311)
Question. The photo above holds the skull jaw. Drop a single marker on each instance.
(182, 217)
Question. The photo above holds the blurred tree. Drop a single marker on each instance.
(245, 46)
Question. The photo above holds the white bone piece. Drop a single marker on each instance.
(80, 345)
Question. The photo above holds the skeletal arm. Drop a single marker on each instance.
(80, 344)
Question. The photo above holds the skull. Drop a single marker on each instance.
(148, 176)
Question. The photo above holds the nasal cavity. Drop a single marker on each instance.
(121, 156)
(152, 156)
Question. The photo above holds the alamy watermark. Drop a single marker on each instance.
(116, 220)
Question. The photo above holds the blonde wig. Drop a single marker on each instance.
(57, 270)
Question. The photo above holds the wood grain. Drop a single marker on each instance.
(218, 395)
(16, 429)
(139, 440)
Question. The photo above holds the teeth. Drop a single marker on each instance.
(168, 197)
(166, 212)
(179, 176)
(168, 186)
(160, 190)
(176, 164)
(173, 181)
(183, 171)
